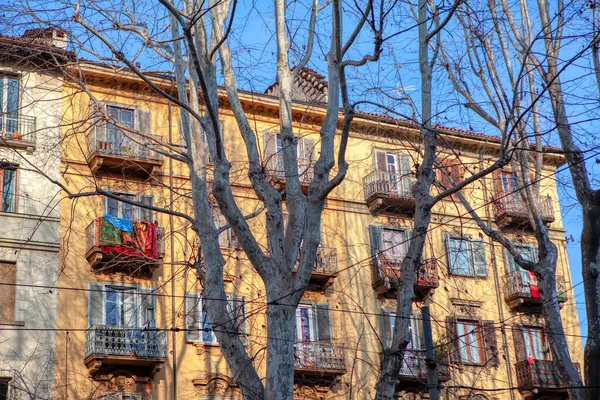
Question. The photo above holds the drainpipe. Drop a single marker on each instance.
(172, 242)
(499, 298)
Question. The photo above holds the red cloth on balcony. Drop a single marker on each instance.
(533, 285)
(145, 238)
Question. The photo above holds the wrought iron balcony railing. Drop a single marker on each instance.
(106, 341)
(17, 130)
(386, 272)
(275, 170)
(511, 209)
(520, 288)
(389, 192)
(540, 374)
(319, 357)
(113, 142)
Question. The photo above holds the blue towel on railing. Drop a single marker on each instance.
(122, 224)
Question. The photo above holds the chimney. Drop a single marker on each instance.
(56, 37)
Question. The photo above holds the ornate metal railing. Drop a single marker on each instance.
(114, 142)
(275, 169)
(517, 284)
(125, 342)
(511, 205)
(389, 185)
(14, 126)
(319, 356)
(539, 374)
(386, 271)
(413, 364)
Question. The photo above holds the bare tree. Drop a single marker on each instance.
(510, 103)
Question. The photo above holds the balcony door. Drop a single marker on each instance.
(535, 344)
(394, 246)
(394, 169)
(119, 142)
(9, 104)
(517, 275)
(120, 307)
(313, 335)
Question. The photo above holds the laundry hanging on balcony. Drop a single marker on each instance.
(121, 236)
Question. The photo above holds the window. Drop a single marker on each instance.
(535, 344)
(312, 323)
(122, 306)
(114, 135)
(305, 152)
(4, 385)
(392, 243)
(119, 209)
(197, 322)
(8, 296)
(388, 319)
(450, 173)
(528, 251)
(470, 343)
(8, 175)
(227, 238)
(395, 169)
(9, 104)
(111, 139)
(466, 257)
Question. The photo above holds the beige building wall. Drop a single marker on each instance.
(355, 307)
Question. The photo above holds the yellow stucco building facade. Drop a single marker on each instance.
(125, 271)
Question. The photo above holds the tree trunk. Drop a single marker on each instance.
(590, 259)
(281, 325)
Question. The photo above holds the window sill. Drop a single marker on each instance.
(11, 323)
(468, 276)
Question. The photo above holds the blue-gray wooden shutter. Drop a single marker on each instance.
(192, 323)
(386, 329)
(96, 305)
(375, 233)
(146, 214)
(147, 307)
(479, 258)
(450, 253)
(144, 120)
(323, 322)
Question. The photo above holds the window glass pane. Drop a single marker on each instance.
(462, 338)
(460, 257)
(394, 244)
(473, 343)
(8, 189)
(112, 307)
(128, 309)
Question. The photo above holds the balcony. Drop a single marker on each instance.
(110, 347)
(319, 358)
(136, 253)
(386, 273)
(540, 377)
(518, 292)
(117, 153)
(511, 210)
(18, 131)
(276, 173)
(389, 193)
(324, 271)
(414, 370)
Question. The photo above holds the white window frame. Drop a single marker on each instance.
(198, 312)
(136, 210)
(464, 334)
(471, 255)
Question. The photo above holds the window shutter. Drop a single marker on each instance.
(490, 342)
(95, 305)
(511, 266)
(405, 172)
(238, 314)
(386, 327)
(533, 250)
(479, 259)
(144, 122)
(147, 303)
(453, 339)
(192, 324)
(375, 233)
(498, 182)
(323, 322)
(270, 142)
(519, 341)
(418, 338)
(450, 252)
(380, 162)
(99, 123)
(146, 214)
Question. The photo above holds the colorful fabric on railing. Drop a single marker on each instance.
(533, 285)
(122, 224)
(145, 238)
(108, 233)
